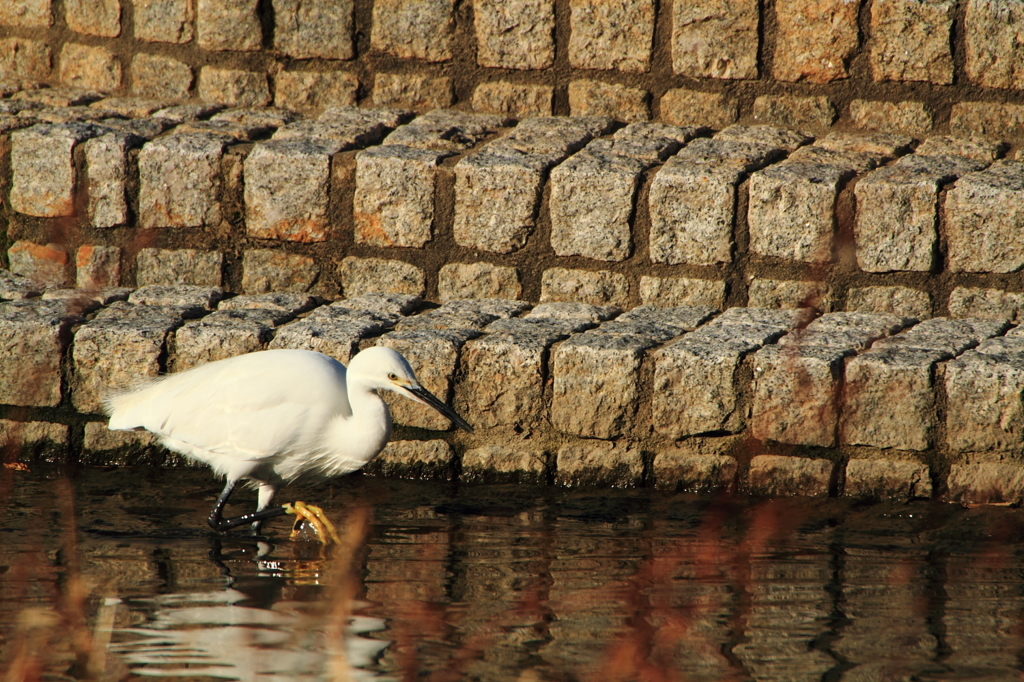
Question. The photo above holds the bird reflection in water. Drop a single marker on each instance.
(288, 613)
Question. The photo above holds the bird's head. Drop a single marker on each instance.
(385, 369)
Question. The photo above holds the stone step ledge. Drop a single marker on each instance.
(569, 393)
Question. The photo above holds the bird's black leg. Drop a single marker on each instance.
(217, 522)
(215, 519)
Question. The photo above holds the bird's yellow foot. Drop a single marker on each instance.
(315, 517)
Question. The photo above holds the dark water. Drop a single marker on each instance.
(111, 574)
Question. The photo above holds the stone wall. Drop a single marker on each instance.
(853, 210)
(917, 67)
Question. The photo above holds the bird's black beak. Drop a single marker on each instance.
(428, 398)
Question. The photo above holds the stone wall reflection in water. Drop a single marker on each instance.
(508, 583)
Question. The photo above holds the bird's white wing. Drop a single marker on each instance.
(250, 407)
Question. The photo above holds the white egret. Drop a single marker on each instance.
(273, 417)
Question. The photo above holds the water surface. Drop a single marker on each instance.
(112, 573)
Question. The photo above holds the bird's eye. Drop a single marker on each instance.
(393, 376)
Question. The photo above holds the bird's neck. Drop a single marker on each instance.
(365, 433)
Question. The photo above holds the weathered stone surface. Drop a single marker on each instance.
(496, 196)
(234, 87)
(97, 267)
(27, 13)
(902, 301)
(573, 311)
(21, 58)
(287, 184)
(985, 482)
(597, 463)
(503, 464)
(897, 212)
(156, 76)
(446, 131)
(376, 275)
(950, 337)
(697, 384)
(394, 197)
(478, 280)
(676, 291)
(346, 126)
(715, 39)
(881, 146)
(117, 349)
(693, 196)
(121, 448)
(775, 293)
(794, 111)
(977, 148)
(989, 119)
(554, 135)
(505, 370)
(846, 330)
(795, 398)
(416, 91)
(320, 30)
(908, 117)
(43, 169)
(292, 304)
(179, 114)
(33, 336)
(992, 38)
(612, 35)
(591, 204)
(596, 98)
(384, 306)
(434, 356)
(223, 334)
(85, 298)
(515, 35)
(911, 40)
(425, 460)
(314, 91)
(421, 30)
(984, 412)
(689, 469)
(94, 17)
(690, 107)
(180, 181)
(815, 41)
(989, 303)
(660, 324)
(271, 270)
(46, 266)
(899, 480)
(190, 300)
(228, 25)
(595, 392)
(164, 21)
(696, 388)
(329, 330)
(106, 159)
(751, 144)
(791, 211)
(692, 209)
(83, 66)
(180, 266)
(984, 217)
(780, 475)
(513, 99)
(30, 441)
(15, 287)
(871, 417)
(595, 287)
